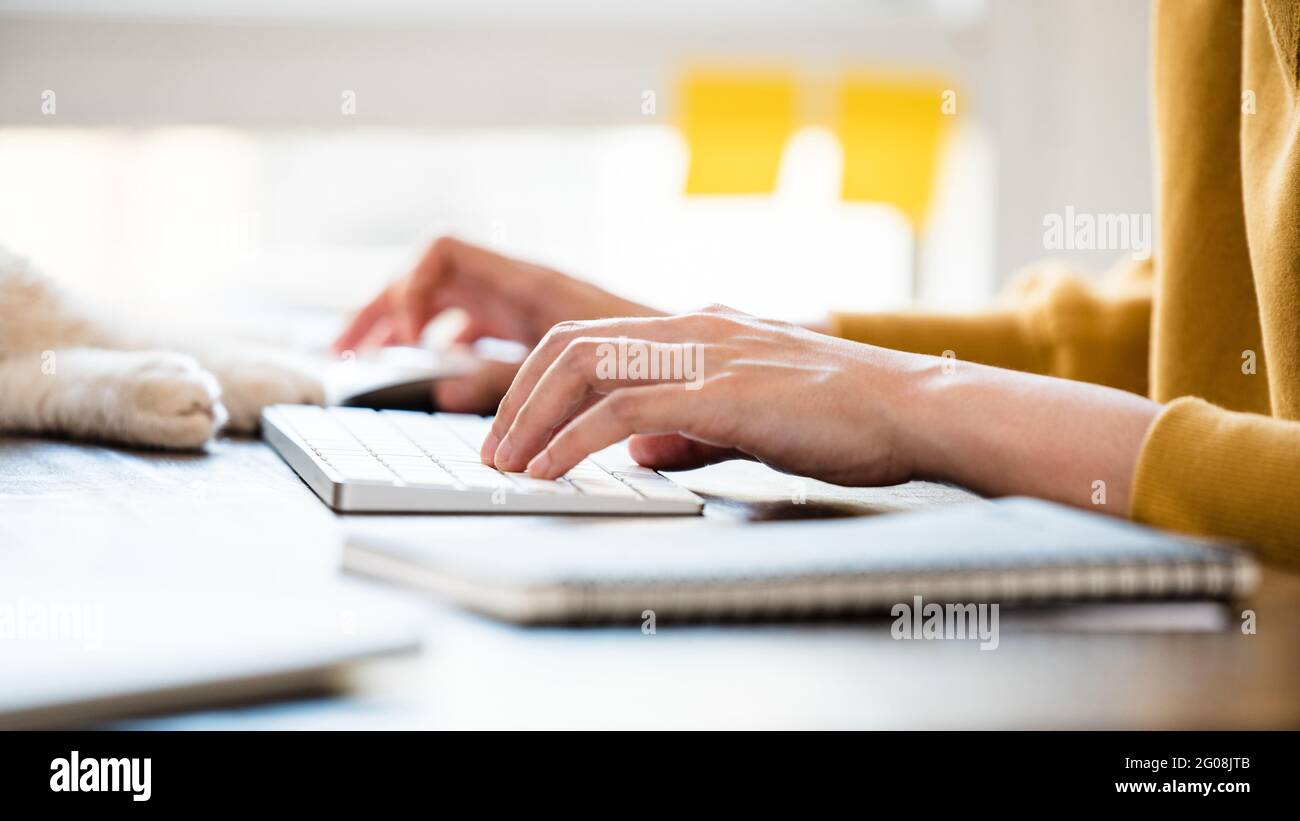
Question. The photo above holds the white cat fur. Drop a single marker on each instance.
(67, 372)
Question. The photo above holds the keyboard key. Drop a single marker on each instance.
(442, 480)
(328, 442)
(343, 453)
(376, 475)
(603, 487)
(359, 457)
(469, 467)
(615, 457)
(463, 460)
(481, 477)
(439, 476)
(528, 484)
(418, 460)
(356, 467)
(411, 420)
(638, 474)
(661, 490)
(408, 452)
(466, 424)
(587, 471)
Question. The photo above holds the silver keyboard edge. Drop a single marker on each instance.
(346, 497)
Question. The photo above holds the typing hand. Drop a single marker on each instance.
(502, 298)
(722, 385)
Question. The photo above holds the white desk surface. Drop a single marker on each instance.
(1152, 666)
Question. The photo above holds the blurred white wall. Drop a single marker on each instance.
(184, 220)
(1053, 100)
(1067, 97)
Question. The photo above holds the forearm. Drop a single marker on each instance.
(1001, 433)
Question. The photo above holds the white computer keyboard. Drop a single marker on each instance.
(361, 460)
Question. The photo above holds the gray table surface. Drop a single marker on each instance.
(1150, 666)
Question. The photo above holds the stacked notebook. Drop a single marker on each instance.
(1011, 551)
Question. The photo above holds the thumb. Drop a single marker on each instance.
(672, 451)
(477, 392)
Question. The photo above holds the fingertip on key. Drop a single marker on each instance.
(502, 460)
(540, 467)
(487, 453)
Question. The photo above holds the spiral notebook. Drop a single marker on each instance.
(1011, 551)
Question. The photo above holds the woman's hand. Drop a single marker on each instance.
(504, 298)
(736, 386)
(723, 385)
(816, 406)
(501, 297)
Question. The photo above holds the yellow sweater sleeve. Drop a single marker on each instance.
(1051, 322)
(1206, 470)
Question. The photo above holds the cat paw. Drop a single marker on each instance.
(250, 382)
(167, 400)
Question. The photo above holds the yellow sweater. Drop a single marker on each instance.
(1212, 328)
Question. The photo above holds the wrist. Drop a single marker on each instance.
(918, 414)
(887, 396)
(1001, 432)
